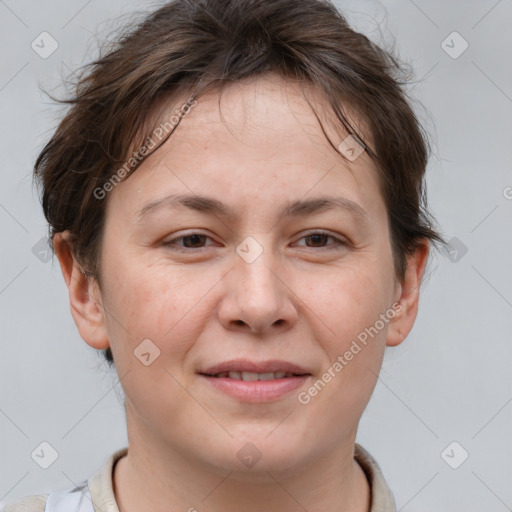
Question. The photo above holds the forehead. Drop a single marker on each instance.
(252, 140)
(271, 104)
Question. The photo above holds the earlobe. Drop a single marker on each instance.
(84, 295)
(408, 296)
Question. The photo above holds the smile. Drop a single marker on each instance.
(253, 376)
(256, 382)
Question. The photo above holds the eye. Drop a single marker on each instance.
(191, 241)
(319, 238)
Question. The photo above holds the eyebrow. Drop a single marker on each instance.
(209, 205)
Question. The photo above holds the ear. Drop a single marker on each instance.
(84, 295)
(407, 295)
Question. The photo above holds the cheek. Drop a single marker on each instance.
(349, 300)
(162, 303)
(350, 306)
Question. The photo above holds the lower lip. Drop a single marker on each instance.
(258, 390)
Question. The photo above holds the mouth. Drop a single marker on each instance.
(250, 381)
(253, 376)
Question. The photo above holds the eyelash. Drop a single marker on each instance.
(172, 244)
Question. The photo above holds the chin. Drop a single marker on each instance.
(249, 456)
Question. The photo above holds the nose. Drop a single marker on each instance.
(257, 297)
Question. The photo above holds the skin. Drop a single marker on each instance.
(302, 300)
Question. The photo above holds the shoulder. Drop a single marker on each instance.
(382, 496)
(35, 503)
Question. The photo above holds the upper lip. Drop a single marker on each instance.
(244, 365)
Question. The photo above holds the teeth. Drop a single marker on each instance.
(249, 376)
(252, 376)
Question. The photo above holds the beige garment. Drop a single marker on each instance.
(102, 493)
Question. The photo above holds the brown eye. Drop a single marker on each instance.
(192, 241)
(319, 239)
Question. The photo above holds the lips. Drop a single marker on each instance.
(252, 376)
(250, 381)
(243, 369)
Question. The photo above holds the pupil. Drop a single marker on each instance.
(195, 237)
(315, 237)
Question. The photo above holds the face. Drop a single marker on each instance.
(220, 254)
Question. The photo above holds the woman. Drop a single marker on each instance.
(236, 200)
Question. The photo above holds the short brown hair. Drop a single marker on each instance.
(192, 46)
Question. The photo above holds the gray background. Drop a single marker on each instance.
(449, 381)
